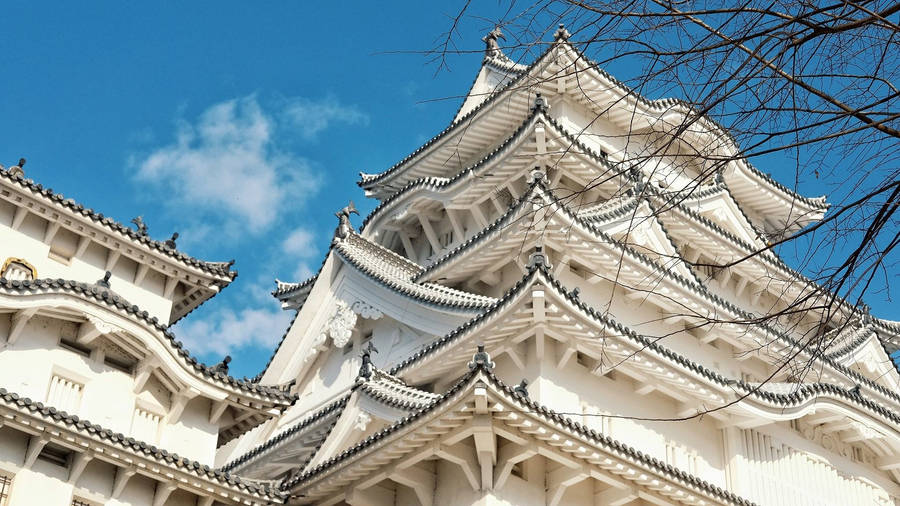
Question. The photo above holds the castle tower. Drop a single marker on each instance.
(552, 325)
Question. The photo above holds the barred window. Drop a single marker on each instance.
(5, 484)
(81, 502)
(64, 394)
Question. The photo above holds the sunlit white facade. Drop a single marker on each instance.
(525, 318)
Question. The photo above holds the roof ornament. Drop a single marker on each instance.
(537, 174)
(481, 358)
(540, 103)
(16, 170)
(170, 242)
(345, 227)
(855, 391)
(105, 281)
(538, 259)
(522, 388)
(140, 226)
(366, 369)
(221, 367)
(561, 33)
(575, 293)
(492, 47)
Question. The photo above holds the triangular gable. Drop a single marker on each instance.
(495, 72)
(376, 403)
(641, 230)
(720, 208)
(479, 425)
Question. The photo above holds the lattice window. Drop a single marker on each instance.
(5, 485)
(145, 425)
(81, 502)
(64, 394)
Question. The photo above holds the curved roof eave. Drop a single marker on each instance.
(139, 449)
(221, 270)
(368, 181)
(102, 296)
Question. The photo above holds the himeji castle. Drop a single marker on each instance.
(526, 318)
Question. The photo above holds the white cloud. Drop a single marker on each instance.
(310, 117)
(228, 167)
(225, 331)
(299, 243)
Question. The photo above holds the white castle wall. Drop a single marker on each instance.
(107, 398)
(27, 243)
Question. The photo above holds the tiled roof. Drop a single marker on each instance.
(393, 391)
(480, 373)
(382, 387)
(284, 290)
(398, 274)
(72, 422)
(649, 344)
(332, 409)
(440, 183)
(615, 207)
(369, 180)
(222, 269)
(109, 298)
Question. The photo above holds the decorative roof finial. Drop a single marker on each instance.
(366, 369)
(221, 367)
(481, 358)
(538, 259)
(561, 33)
(140, 226)
(492, 47)
(540, 102)
(345, 227)
(16, 170)
(105, 281)
(170, 243)
(537, 174)
(522, 388)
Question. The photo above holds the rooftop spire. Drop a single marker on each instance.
(222, 366)
(366, 369)
(481, 358)
(522, 388)
(344, 226)
(538, 259)
(492, 47)
(105, 281)
(540, 102)
(16, 170)
(140, 226)
(561, 33)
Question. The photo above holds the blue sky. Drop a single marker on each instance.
(242, 126)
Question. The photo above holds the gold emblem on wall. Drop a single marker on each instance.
(17, 269)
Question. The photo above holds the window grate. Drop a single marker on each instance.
(80, 502)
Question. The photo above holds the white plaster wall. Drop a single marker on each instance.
(108, 399)
(27, 243)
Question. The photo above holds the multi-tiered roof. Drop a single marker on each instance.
(529, 230)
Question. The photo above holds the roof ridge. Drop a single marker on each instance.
(109, 298)
(139, 447)
(316, 415)
(481, 371)
(464, 300)
(217, 268)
